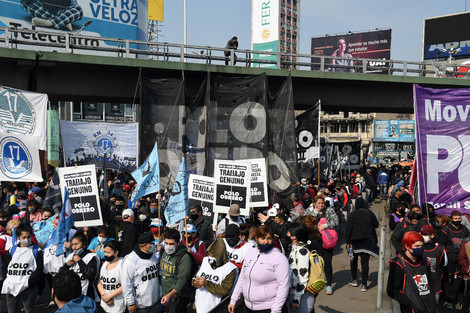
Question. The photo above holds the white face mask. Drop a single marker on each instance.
(102, 239)
(26, 242)
(426, 239)
(170, 249)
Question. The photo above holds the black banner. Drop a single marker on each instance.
(340, 156)
(307, 130)
(53, 197)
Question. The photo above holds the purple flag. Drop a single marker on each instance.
(443, 147)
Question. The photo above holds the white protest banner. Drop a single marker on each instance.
(201, 192)
(83, 193)
(88, 142)
(232, 185)
(259, 183)
(24, 113)
(19, 158)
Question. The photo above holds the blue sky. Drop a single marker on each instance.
(213, 22)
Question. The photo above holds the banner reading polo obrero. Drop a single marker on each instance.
(443, 147)
(19, 158)
(201, 192)
(232, 185)
(83, 194)
(24, 113)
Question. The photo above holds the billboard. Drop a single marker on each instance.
(394, 131)
(446, 32)
(368, 45)
(265, 30)
(126, 19)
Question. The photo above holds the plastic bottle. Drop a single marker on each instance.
(351, 253)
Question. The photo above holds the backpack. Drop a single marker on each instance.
(194, 265)
(316, 276)
(328, 236)
(35, 250)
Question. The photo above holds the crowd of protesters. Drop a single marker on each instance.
(136, 262)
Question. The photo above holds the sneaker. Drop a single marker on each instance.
(329, 290)
(449, 306)
(353, 282)
(363, 288)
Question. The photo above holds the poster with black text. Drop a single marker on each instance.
(201, 192)
(83, 193)
(259, 183)
(232, 185)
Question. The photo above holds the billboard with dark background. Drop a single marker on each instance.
(446, 32)
(367, 45)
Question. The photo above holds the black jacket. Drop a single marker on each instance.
(205, 231)
(361, 225)
(127, 237)
(281, 231)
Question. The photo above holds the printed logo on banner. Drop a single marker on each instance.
(104, 143)
(17, 114)
(15, 158)
(257, 194)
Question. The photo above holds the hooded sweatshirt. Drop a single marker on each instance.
(220, 279)
(82, 304)
(264, 281)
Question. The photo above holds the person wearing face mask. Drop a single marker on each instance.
(436, 255)
(415, 223)
(23, 267)
(23, 207)
(175, 277)
(236, 248)
(143, 221)
(109, 283)
(34, 213)
(450, 237)
(397, 216)
(118, 206)
(233, 218)
(264, 277)
(128, 233)
(47, 213)
(6, 241)
(204, 228)
(194, 245)
(85, 264)
(410, 281)
(98, 243)
(215, 278)
(139, 276)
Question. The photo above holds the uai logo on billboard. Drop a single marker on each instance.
(17, 114)
(15, 158)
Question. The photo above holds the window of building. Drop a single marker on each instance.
(334, 128)
(364, 127)
(322, 128)
(99, 111)
(353, 127)
(77, 111)
(343, 127)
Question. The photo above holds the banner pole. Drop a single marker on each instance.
(186, 232)
(159, 219)
(319, 172)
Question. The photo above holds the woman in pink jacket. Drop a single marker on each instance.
(264, 277)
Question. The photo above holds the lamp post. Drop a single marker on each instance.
(185, 39)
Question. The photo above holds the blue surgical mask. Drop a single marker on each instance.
(418, 252)
(152, 250)
(154, 210)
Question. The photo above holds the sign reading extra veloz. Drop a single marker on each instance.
(232, 185)
(443, 146)
(83, 192)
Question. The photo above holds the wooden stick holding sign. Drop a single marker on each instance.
(186, 232)
(159, 219)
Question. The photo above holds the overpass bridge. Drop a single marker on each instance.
(72, 67)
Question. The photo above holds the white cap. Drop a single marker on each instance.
(275, 206)
(128, 212)
(272, 212)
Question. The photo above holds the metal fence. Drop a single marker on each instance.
(15, 38)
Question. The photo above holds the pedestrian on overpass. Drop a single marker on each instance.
(233, 45)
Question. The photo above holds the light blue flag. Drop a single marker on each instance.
(177, 207)
(65, 224)
(147, 176)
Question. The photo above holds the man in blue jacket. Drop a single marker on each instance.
(382, 181)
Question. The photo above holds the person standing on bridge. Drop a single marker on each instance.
(233, 45)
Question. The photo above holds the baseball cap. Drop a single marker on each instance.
(275, 206)
(234, 210)
(128, 212)
(35, 189)
(156, 222)
(117, 181)
(272, 212)
(146, 238)
(144, 210)
(427, 230)
(232, 230)
(126, 187)
(23, 204)
(304, 181)
(190, 228)
(21, 195)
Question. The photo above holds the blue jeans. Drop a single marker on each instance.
(306, 303)
(383, 191)
(153, 309)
